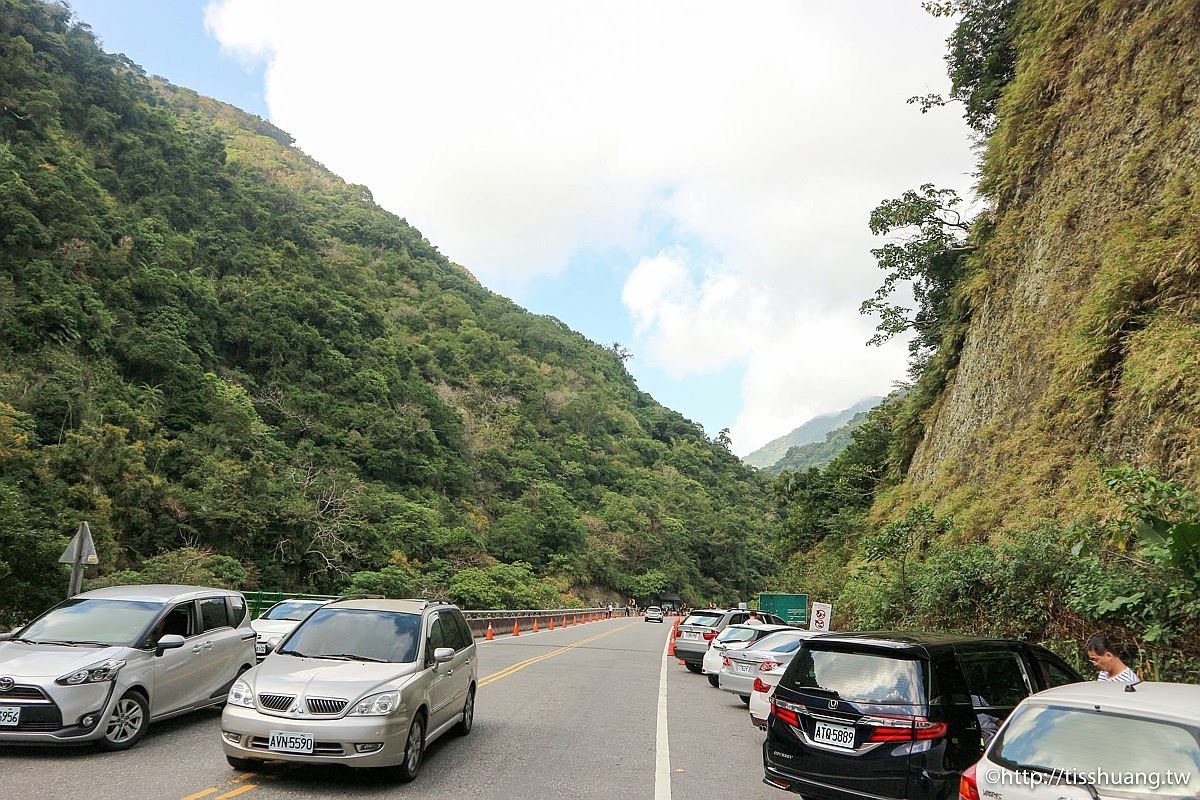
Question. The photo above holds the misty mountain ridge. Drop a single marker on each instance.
(813, 431)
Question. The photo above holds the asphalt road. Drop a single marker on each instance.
(590, 711)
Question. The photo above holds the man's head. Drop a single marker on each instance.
(1101, 654)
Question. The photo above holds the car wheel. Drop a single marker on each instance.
(693, 667)
(714, 681)
(414, 751)
(468, 717)
(127, 724)
(243, 764)
(745, 699)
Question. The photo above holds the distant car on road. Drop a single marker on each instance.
(100, 666)
(654, 614)
(702, 626)
(361, 682)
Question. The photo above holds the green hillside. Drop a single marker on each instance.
(238, 368)
(817, 455)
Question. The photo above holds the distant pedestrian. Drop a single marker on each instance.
(1112, 668)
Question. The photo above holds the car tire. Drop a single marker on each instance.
(127, 723)
(696, 668)
(243, 764)
(714, 681)
(414, 751)
(468, 718)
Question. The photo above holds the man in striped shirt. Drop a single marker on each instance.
(1101, 654)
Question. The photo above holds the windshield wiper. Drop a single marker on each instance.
(19, 639)
(295, 653)
(97, 644)
(1058, 774)
(351, 657)
(819, 690)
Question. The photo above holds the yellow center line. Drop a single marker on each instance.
(198, 795)
(236, 791)
(504, 673)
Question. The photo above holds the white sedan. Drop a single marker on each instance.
(734, 637)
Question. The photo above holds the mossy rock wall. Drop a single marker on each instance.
(1084, 340)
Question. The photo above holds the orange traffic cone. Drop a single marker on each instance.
(552, 623)
(489, 633)
(564, 622)
(535, 624)
(516, 628)
(576, 620)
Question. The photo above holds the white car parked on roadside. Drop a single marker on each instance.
(732, 638)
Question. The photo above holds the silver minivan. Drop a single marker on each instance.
(101, 666)
(362, 682)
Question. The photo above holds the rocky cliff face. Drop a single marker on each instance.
(1084, 341)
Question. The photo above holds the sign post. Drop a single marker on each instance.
(821, 612)
(81, 551)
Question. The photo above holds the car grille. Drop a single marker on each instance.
(276, 702)
(38, 711)
(24, 693)
(319, 748)
(323, 705)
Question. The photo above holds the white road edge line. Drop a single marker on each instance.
(662, 750)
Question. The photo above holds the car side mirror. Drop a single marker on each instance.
(4, 637)
(170, 641)
(443, 654)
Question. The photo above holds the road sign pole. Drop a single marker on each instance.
(79, 553)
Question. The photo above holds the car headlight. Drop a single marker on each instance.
(94, 673)
(240, 694)
(377, 705)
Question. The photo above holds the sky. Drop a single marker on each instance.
(689, 179)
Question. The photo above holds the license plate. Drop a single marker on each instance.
(10, 715)
(746, 668)
(836, 735)
(260, 649)
(691, 635)
(284, 742)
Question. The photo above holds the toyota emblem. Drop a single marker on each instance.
(6, 684)
(833, 703)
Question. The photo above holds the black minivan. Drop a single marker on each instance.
(897, 716)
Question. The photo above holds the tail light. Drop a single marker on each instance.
(725, 660)
(968, 789)
(767, 666)
(903, 729)
(709, 635)
(785, 714)
(759, 686)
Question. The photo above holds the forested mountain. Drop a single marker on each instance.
(1038, 477)
(802, 457)
(814, 431)
(238, 368)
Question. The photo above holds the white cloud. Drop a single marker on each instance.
(515, 135)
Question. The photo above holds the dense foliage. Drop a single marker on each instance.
(210, 344)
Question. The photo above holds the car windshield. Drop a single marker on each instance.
(781, 642)
(702, 619)
(857, 676)
(114, 622)
(368, 634)
(736, 633)
(297, 610)
(1122, 756)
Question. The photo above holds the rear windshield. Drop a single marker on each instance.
(738, 634)
(291, 609)
(782, 642)
(1120, 756)
(702, 619)
(857, 676)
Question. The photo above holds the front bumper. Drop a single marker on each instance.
(246, 732)
(54, 714)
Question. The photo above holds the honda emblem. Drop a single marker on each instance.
(833, 703)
